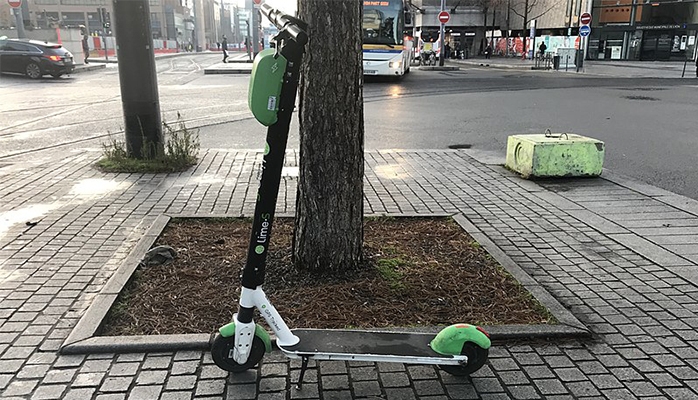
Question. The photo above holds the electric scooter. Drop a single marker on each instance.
(459, 349)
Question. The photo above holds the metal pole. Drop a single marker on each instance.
(139, 86)
(20, 22)
(442, 33)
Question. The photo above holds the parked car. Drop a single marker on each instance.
(34, 58)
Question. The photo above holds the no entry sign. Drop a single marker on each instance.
(14, 3)
(444, 17)
(585, 19)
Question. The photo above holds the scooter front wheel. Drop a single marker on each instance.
(477, 357)
(222, 353)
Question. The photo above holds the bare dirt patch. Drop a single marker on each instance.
(416, 272)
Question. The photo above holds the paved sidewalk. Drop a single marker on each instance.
(624, 69)
(621, 255)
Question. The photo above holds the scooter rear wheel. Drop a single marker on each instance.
(477, 357)
(222, 353)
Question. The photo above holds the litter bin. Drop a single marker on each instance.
(556, 62)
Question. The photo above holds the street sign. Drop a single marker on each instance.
(585, 19)
(444, 17)
(584, 30)
(14, 3)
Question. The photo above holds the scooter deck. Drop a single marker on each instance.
(345, 344)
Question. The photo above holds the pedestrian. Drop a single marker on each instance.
(488, 51)
(542, 49)
(85, 44)
(224, 47)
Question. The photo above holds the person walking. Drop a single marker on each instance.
(542, 49)
(85, 45)
(224, 47)
(488, 51)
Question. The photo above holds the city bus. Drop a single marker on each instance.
(386, 49)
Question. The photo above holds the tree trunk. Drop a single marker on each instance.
(525, 33)
(329, 204)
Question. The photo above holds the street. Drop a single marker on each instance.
(648, 124)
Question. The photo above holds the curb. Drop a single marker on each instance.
(83, 339)
(438, 68)
(86, 68)
(226, 71)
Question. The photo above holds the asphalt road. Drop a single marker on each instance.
(648, 125)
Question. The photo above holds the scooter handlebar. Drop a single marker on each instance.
(294, 26)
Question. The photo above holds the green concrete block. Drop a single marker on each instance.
(554, 155)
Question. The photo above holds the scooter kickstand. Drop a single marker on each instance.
(304, 367)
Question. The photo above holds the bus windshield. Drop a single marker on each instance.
(383, 22)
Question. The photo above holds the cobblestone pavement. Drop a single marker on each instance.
(619, 254)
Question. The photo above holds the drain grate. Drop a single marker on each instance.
(460, 146)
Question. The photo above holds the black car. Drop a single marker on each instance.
(34, 58)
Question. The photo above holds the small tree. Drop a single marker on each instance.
(524, 8)
(329, 205)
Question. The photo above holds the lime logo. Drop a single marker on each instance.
(266, 148)
(259, 249)
(264, 306)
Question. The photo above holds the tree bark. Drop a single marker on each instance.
(329, 203)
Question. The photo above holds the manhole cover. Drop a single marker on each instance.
(460, 146)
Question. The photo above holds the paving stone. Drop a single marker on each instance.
(334, 382)
(272, 396)
(487, 385)
(275, 384)
(69, 361)
(504, 364)
(620, 394)
(124, 369)
(79, 394)
(605, 381)
(210, 387)
(643, 389)
(582, 389)
(395, 379)
(212, 372)
(116, 384)
(145, 392)
(332, 367)
(20, 388)
(537, 372)
(366, 388)
(421, 372)
(151, 378)
(337, 395)
(184, 368)
(681, 393)
(111, 396)
(399, 394)
(428, 388)
(176, 396)
(249, 376)
(60, 375)
(550, 386)
(181, 382)
(523, 392)
(240, 392)
(156, 362)
(390, 367)
(187, 355)
(367, 373)
(33, 371)
(10, 366)
(512, 378)
(89, 379)
(461, 392)
(96, 366)
(570, 374)
(5, 380)
(275, 369)
(309, 391)
(49, 392)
